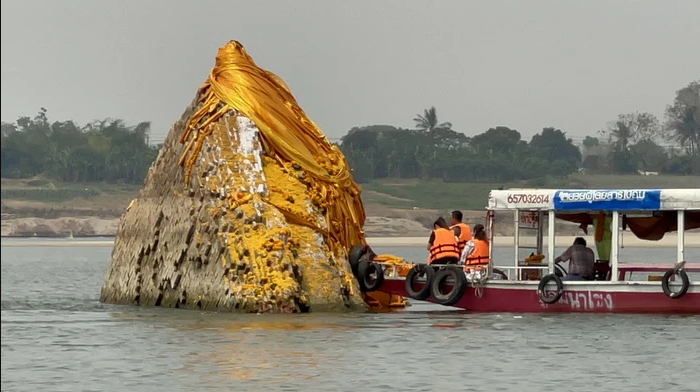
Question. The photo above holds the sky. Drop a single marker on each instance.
(573, 65)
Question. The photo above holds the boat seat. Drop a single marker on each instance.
(601, 270)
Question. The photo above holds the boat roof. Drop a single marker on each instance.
(571, 200)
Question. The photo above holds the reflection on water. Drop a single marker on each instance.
(57, 336)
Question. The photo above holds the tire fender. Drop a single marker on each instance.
(460, 284)
(415, 272)
(354, 256)
(685, 283)
(543, 283)
(365, 269)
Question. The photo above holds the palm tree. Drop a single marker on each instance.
(623, 134)
(429, 121)
(683, 118)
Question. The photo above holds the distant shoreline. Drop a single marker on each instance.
(692, 240)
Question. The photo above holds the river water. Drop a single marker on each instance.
(57, 336)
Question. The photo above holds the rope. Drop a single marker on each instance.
(479, 284)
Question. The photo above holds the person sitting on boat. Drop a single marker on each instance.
(442, 245)
(476, 251)
(461, 230)
(581, 260)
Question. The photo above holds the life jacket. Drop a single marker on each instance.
(465, 234)
(480, 254)
(444, 245)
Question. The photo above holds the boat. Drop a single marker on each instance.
(530, 281)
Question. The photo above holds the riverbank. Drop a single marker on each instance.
(394, 224)
(692, 240)
(39, 207)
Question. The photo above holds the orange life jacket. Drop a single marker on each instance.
(444, 245)
(480, 254)
(465, 234)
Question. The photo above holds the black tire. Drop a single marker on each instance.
(354, 256)
(458, 287)
(543, 283)
(667, 279)
(415, 272)
(365, 270)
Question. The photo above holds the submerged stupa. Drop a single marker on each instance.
(248, 207)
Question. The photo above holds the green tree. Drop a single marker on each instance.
(498, 142)
(648, 156)
(106, 150)
(683, 118)
(428, 121)
(500, 151)
(632, 129)
(590, 142)
(640, 126)
(552, 146)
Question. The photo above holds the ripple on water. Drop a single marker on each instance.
(56, 334)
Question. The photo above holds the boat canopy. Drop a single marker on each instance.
(588, 200)
(648, 213)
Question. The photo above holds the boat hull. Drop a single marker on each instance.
(577, 297)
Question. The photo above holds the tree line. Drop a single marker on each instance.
(101, 151)
(111, 151)
(631, 143)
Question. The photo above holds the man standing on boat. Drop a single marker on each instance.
(461, 230)
(581, 260)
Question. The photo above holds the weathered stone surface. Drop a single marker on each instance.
(248, 229)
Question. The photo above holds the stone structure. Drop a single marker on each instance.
(248, 207)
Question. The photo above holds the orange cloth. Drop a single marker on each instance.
(286, 133)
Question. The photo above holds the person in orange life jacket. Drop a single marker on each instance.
(476, 251)
(442, 245)
(461, 230)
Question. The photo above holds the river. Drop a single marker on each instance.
(57, 336)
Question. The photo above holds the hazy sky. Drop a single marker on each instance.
(574, 65)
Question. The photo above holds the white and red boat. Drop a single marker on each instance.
(531, 281)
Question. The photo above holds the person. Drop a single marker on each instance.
(476, 251)
(442, 245)
(461, 230)
(581, 260)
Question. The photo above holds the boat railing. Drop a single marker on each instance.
(518, 271)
